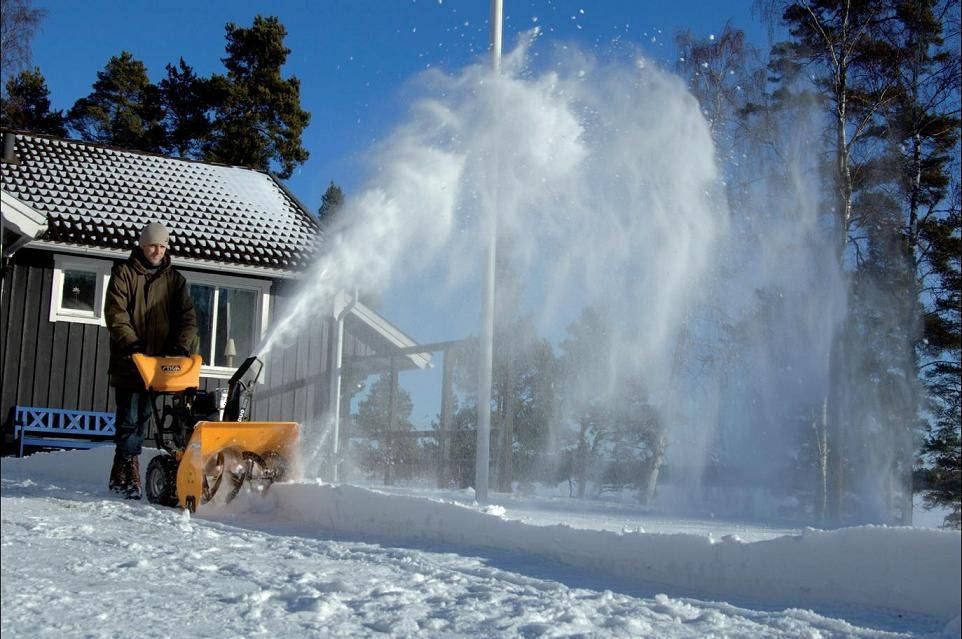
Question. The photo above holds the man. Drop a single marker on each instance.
(149, 310)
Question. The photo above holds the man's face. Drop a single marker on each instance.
(154, 253)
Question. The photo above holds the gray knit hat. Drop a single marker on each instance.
(155, 233)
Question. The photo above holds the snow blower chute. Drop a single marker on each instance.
(211, 449)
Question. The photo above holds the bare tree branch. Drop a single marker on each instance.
(18, 22)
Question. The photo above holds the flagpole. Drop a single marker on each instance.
(482, 459)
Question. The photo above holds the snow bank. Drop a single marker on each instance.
(907, 569)
(915, 570)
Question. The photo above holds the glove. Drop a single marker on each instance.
(133, 347)
(179, 351)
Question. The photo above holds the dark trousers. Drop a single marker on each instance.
(133, 416)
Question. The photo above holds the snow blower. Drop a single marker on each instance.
(211, 448)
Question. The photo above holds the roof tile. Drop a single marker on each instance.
(100, 196)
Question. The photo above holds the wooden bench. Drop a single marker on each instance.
(61, 428)
(615, 488)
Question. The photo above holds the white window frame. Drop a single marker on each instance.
(262, 288)
(101, 268)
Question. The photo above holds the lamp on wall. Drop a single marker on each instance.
(230, 352)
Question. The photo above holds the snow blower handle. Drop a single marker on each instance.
(168, 374)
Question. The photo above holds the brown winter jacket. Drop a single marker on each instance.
(153, 313)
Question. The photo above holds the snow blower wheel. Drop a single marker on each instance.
(162, 480)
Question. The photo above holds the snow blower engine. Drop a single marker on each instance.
(211, 448)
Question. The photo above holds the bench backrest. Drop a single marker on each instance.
(60, 421)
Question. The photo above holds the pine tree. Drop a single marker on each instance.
(923, 134)
(258, 119)
(884, 388)
(380, 417)
(188, 101)
(942, 238)
(374, 411)
(924, 119)
(832, 56)
(27, 105)
(536, 396)
(331, 201)
(890, 86)
(124, 109)
(462, 444)
(585, 358)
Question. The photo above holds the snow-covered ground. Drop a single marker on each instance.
(312, 560)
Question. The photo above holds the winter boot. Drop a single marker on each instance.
(133, 484)
(119, 475)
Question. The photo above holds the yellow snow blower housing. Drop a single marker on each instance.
(211, 449)
(255, 453)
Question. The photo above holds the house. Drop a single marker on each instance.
(71, 210)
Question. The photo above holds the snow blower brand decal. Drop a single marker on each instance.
(170, 368)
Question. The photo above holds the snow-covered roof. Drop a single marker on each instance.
(98, 196)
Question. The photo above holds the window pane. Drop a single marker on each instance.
(79, 290)
(235, 326)
(203, 297)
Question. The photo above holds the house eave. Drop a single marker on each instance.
(21, 220)
(391, 333)
(181, 262)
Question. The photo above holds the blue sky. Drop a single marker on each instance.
(352, 56)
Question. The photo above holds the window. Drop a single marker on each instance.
(231, 317)
(79, 290)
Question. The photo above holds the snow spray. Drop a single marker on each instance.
(604, 181)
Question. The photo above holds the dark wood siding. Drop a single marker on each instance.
(14, 279)
(44, 363)
(40, 364)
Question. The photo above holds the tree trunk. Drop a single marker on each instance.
(907, 481)
(904, 440)
(445, 444)
(391, 425)
(835, 428)
(820, 429)
(581, 462)
(838, 390)
(658, 458)
(907, 478)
